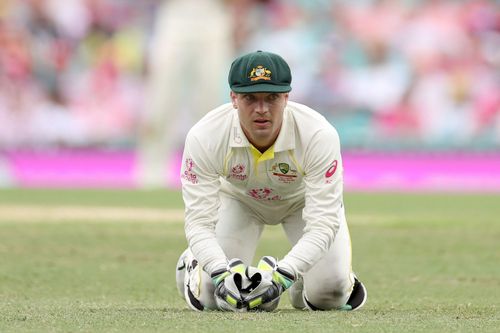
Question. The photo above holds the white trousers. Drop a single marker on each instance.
(327, 285)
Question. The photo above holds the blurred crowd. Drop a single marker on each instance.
(389, 74)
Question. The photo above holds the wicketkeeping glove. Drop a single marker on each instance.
(280, 276)
(281, 280)
(227, 293)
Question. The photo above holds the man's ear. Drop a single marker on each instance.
(233, 99)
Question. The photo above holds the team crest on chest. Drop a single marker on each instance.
(260, 73)
(284, 167)
(284, 173)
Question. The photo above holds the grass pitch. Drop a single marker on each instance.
(430, 263)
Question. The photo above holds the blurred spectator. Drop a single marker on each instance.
(401, 73)
(191, 46)
(71, 73)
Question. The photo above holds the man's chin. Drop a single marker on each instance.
(262, 135)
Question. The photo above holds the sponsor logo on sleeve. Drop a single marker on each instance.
(188, 173)
(332, 168)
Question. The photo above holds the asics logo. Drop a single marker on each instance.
(331, 170)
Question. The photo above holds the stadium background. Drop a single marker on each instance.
(411, 86)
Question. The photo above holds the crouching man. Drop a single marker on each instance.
(264, 160)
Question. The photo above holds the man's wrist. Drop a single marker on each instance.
(287, 270)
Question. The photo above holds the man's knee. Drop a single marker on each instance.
(328, 296)
(296, 296)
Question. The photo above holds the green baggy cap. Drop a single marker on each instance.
(260, 72)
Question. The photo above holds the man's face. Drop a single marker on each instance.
(261, 115)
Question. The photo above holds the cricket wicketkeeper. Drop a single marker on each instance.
(264, 160)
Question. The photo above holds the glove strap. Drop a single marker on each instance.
(283, 277)
(219, 276)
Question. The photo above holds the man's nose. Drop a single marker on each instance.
(262, 106)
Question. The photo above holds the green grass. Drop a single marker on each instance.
(430, 263)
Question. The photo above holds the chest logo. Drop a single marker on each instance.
(238, 172)
(284, 167)
(284, 173)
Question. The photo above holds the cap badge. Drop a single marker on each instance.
(260, 73)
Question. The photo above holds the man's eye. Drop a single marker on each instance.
(273, 97)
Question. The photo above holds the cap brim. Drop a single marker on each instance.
(263, 87)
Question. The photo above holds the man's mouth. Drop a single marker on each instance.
(262, 123)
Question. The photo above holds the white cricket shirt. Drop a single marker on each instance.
(302, 170)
